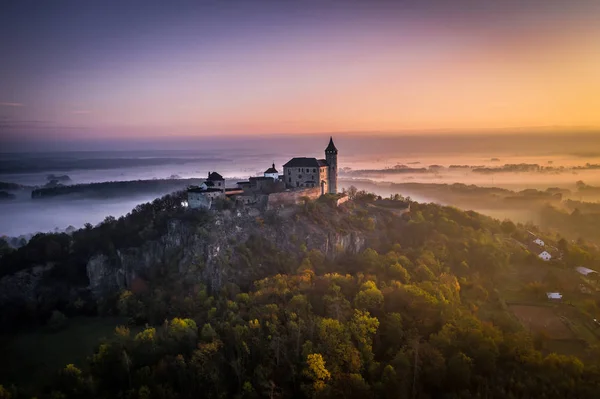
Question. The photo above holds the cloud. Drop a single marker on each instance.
(81, 112)
(6, 104)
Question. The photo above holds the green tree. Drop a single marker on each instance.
(316, 372)
(369, 297)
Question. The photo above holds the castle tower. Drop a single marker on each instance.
(331, 158)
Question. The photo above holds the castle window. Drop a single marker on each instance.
(314, 170)
(299, 176)
(289, 180)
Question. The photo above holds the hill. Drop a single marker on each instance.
(315, 301)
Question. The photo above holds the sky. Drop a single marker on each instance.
(89, 70)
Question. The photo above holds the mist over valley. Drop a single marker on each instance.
(454, 159)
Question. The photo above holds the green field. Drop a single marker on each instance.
(32, 357)
(547, 317)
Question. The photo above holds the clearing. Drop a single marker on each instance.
(542, 319)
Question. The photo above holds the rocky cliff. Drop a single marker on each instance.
(208, 253)
(211, 252)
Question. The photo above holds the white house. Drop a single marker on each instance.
(272, 173)
(539, 242)
(554, 295)
(584, 270)
(545, 256)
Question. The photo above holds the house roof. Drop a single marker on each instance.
(302, 163)
(538, 249)
(554, 295)
(331, 146)
(271, 169)
(233, 190)
(214, 176)
(584, 270)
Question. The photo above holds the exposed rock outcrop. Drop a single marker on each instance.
(212, 250)
(207, 253)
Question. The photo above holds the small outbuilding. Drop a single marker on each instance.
(556, 296)
(584, 270)
(545, 255)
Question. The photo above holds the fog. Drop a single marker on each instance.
(27, 216)
(243, 157)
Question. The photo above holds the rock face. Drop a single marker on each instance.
(208, 253)
(211, 252)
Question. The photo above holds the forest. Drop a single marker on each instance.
(420, 312)
(113, 188)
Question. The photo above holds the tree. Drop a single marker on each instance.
(316, 372)
(397, 272)
(508, 227)
(352, 190)
(459, 371)
(57, 321)
(369, 298)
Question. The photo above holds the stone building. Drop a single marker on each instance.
(199, 197)
(302, 177)
(272, 173)
(212, 188)
(313, 172)
(215, 180)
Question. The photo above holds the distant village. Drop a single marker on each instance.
(547, 253)
(301, 178)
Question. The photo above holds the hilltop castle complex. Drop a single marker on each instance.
(301, 177)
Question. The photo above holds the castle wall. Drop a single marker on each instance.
(199, 200)
(299, 177)
(292, 197)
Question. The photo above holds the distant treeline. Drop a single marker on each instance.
(507, 168)
(395, 170)
(6, 195)
(65, 164)
(586, 189)
(116, 188)
(10, 186)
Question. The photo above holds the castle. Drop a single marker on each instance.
(313, 172)
(302, 177)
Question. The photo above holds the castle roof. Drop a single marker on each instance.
(271, 169)
(331, 146)
(322, 162)
(213, 176)
(303, 163)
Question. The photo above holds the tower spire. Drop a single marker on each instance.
(331, 159)
(331, 146)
